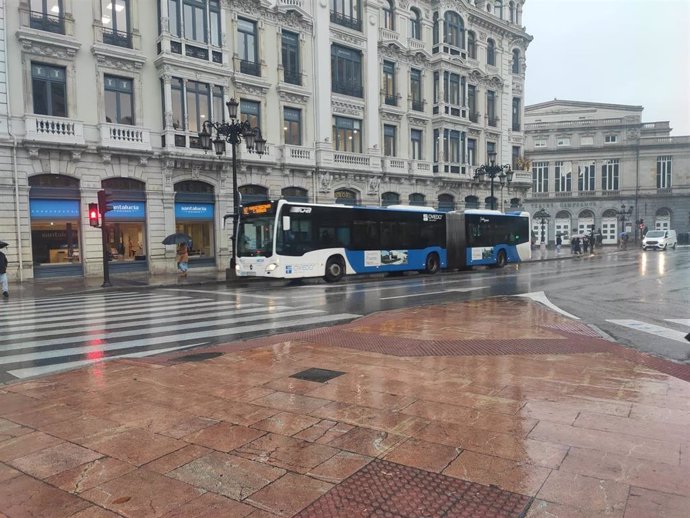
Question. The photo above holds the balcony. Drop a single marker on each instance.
(351, 88)
(394, 165)
(292, 77)
(420, 167)
(122, 136)
(118, 38)
(492, 121)
(522, 179)
(388, 35)
(47, 22)
(296, 155)
(251, 68)
(474, 117)
(54, 130)
(415, 44)
(390, 100)
(417, 105)
(516, 127)
(350, 22)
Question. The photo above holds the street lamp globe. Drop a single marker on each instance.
(492, 157)
(232, 105)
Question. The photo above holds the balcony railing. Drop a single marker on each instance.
(391, 100)
(251, 68)
(392, 165)
(118, 38)
(291, 3)
(47, 22)
(474, 117)
(350, 22)
(56, 130)
(297, 155)
(294, 78)
(350, 88)
(493, 121)
(122, 136)
(418, 106)
(516, 127)
(415, 44)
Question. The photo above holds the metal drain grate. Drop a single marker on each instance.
(198, 357)
(318, 375)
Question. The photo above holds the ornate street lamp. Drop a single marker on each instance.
(214, 135)
(622, 214)
(542, 216)
(503, 172)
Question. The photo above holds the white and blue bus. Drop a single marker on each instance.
(292, 240)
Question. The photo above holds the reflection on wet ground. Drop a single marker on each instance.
(443, 410)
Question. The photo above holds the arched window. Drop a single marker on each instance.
(446, 202)
(252, 193)
(563, 214)
(415, 24)
(417, 199)
(586, 214)
(435, 29)
(515, 203)
(295, 194)
(490, 52)
(471, 44)
(498, 8)
(53, 180)
(490, 203)
(454, 30)
(516, 61)
(123, 184)
(471, 202)
(193, 186)
(512, 12)
(345, 196)
(610, 213)
(390, 198)
(389, 15)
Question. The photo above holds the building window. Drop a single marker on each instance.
(177, 104)
(515, 157)
(516, 114)
(663, 172)
(49, 88)
(292, 126)
(471, 44)
(389, 140)
(587, 141)
(490, 149)
(198, 105)
(347, 134)
(47, 15)
(472, 151)
(416, 137)
(388, 15)
(455, 30)
(513, 12)
(610, 139)
(563, 141)
(250, 111)
(491, 52)
(563, 179)
(346, 71)
(194, 16)
(540, 143)
(416, 89)
(390, 198)
(390, 96)
(491, 108)
(297, 194)
(115, 20)
(609, 175)
(346, 13)
(498, 8)
(586, 177)
(540, 177)
(291, 65)
(452, 94)
(435, 29)
(417, 199)
(218, 113)
(248, 47)
(451, 146)
(119, 102)
(516, 61)
(415, 24)
(472, 103)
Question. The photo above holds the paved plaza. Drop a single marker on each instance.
(495, 407)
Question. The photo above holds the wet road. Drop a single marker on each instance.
(641, 299)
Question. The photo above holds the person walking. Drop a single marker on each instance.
(585, 244)
(3, 276)
(559, 242)
(182, 259)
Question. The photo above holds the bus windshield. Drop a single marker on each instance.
(255, 238)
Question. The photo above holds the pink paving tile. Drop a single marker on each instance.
(371, 443)
(543, 509)
(586, 493)
(339, 467)
(6, 472)
(286, 423)
(94, 512)
(9, 430)
(55, 459)
(423, 455)
(210, 505)
(224, 436)
(291, 402)
(25, 445)
(286, 452)
(135, 446)
(141, 493)
(289, 494)
(324, 431)
(44, 416)
(643, 503)
(89, 475)
(24, 496)
(178, 458)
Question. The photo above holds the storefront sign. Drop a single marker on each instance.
(127, 210)
(187, 211)
(54, 209)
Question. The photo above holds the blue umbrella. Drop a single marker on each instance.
(177, 238)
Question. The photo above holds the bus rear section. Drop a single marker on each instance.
(487, 238)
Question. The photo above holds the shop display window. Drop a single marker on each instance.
(126, 241)
(201, 233)
(55, 242)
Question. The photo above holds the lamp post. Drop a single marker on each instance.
(503, 172)
(622, 214)
(214, 135)
(542, 216)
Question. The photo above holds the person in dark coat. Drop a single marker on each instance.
(3, 275)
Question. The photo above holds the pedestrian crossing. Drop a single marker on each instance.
(656, 330)
(42, 336)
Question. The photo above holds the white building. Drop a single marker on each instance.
(361, 101)
(591, 159)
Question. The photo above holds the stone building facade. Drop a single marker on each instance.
(599, 164)
(362, 102)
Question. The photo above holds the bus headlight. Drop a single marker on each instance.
(271, 267)
(237, 267)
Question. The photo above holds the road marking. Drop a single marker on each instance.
(540, 296)
(663, 332)
(232, 293)
(47, 369)
(456, 290)
(681, 321)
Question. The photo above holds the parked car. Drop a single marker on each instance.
(660, 239)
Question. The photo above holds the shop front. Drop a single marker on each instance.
(125, 229)
(195, 216)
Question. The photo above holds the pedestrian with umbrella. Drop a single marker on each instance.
(3, 272)
(183, 241)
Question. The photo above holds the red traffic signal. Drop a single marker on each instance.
(105, 200)
(93, 214)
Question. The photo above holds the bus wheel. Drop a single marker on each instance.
(501, 260)
(334, 269)
(432, 264)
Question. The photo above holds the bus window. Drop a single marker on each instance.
(366, 235)
(255, 237)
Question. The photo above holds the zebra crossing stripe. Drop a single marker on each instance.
(211, 333)
(48, 369)
(98, 338)
(663, 332)
(59, 301)
(128, 322)
(681, 321)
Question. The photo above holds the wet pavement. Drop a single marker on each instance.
(494, 407)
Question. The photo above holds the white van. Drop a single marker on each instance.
(660, 240)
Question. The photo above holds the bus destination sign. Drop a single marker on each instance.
(263, 208)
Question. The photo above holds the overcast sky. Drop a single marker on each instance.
(617, 51)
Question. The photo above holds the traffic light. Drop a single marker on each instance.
(93, 214)
(105, 200)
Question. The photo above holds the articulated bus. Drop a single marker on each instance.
(292, 240)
